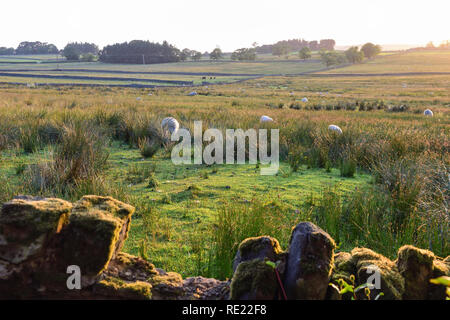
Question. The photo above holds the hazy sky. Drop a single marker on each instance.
(231, 24)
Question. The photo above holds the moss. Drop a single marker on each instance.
(108, 204)
(31, 217)
(421, 256)
(97, 228)
(440, 268)
(415, 265)
(253, 280)
(392, 283)
(167, 278)
(343, 267)
(257, 244)
(167, 285)
(117, 288)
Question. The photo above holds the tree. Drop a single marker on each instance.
(140, 52)
(331, 57)
(6, 51)
(216, 54)
(280, 49)
(327, 44)
(244, 54)
(80, 50)
(185, 54)
(430, 45)
(71, 53)
(445, 45)
(88, 57)
(36, 47)
(353, 55)
(370, 50)
(196, 55)
(304, 53)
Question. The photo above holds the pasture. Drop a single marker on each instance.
(381, 184)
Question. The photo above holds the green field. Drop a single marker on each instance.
(415, 61)
(191, 71)
(381, 184)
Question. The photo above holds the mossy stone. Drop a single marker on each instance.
(119, 289)
(416, 267)
(261, 248)
(254, 280)
(309, 263)
(97, 228)
(27, 224)
(392, 282)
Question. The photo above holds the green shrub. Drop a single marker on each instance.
(148, 147)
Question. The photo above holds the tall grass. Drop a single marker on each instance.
(407, 154)
(238, 221)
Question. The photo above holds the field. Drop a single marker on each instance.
(416, 61)
(48, 70)
(381, 184)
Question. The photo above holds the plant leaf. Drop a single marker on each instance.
(379, 295)
(444, 280)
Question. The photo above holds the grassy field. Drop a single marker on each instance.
(224, 71)
(382, 183)
(416, 61)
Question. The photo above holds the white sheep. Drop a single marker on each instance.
(428, 113)
(193, 93)
(138, 98)
(170, 124)
(305, 99)
(266, 119)
(335, 128)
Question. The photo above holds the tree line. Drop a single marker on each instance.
(30, 47)
(351, 55)
(285, 46)
(146, 52)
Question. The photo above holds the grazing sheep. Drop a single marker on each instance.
(305, 99)
(266, 119)
(335, 128)
(138, 98)
(428, 113)
(170, 124)
(193, 93)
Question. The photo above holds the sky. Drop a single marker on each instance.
(205, 24)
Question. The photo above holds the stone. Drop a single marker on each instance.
(254, 280)
(257, 248)
(365, 261)
(416, 267)
(309, 262)
(98, 227)
(28, 223)
(119, 289)
(441, 267)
